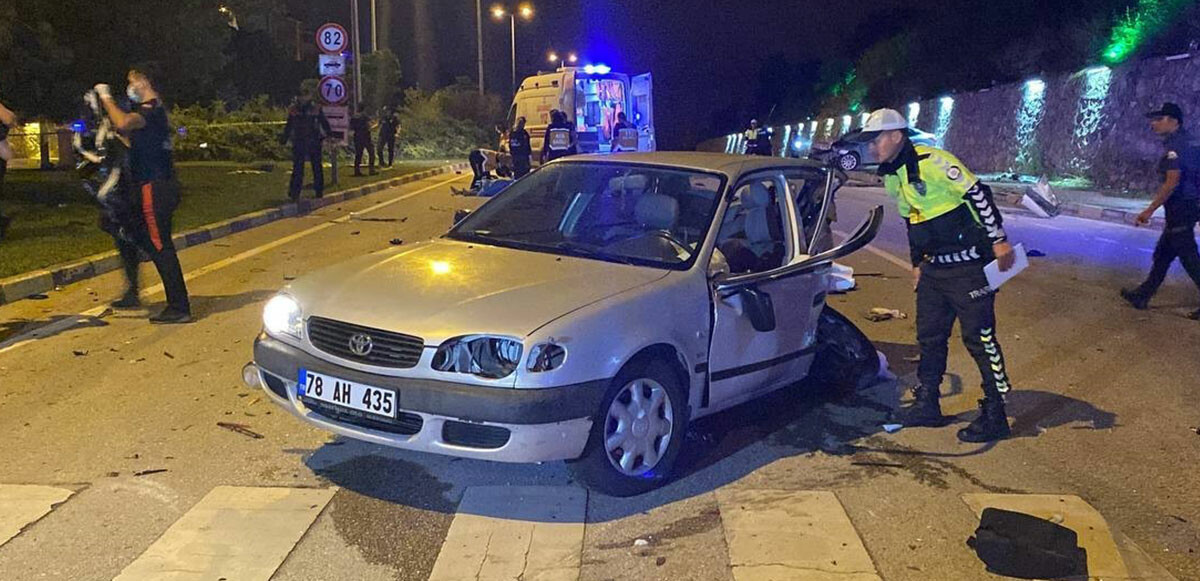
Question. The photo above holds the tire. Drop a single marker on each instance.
(599, 468)
(849, 162)
(846, 360)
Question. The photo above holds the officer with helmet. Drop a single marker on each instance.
(954, 229)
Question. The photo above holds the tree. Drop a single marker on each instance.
(381, 79)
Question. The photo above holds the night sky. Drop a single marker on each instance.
(705, 55)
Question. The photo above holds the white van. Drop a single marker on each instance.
(591, 97)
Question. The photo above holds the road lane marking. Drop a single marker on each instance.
(242, 533)
(892, 258)
(22, 505)
(787, 535)
(71, 321)
(533, 533)
(1104, 558)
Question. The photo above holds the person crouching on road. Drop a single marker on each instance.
(954, 229)
(152, 172)
(1179, 194)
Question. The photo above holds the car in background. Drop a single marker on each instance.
(847, 154)
(587, 313)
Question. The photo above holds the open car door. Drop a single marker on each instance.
(641, 95)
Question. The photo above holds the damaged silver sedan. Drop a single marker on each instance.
(588, 313)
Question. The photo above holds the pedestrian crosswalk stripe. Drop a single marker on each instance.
(1104, 558)
(22, 505)
(533, 533)
(787, 535)
(241, 533)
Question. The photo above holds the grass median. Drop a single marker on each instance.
(55, 221)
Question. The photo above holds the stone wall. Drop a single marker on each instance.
(1090, 124)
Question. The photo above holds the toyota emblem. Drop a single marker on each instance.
(361, 344)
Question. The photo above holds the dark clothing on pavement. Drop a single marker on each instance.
(306, 128)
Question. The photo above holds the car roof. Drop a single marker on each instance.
(729, 164)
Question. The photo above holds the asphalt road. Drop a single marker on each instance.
(114, 463)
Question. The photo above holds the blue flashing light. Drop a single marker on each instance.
(79, 126)
(589, 69)
(603, 69)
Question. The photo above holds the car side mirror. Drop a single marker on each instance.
(759, 307)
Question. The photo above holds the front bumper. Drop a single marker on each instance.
(517, 425)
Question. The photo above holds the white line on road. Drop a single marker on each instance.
(515, 532)
(22, 505)
(787, 535)
(892, 258)
(241, 533)
(73, 320)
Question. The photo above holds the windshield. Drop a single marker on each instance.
(633, 214)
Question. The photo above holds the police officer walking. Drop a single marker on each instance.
(758, 139)
(360, 124)
(954, 229)
(306, 128)
(520, 148)
(152, 175)
(389, 123)
(1179, 195)
(559, 140)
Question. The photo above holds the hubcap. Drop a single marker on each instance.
(639, 427)
(848, 162)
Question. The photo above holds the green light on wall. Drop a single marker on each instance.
(1139, 25)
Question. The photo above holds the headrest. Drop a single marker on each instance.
(628, 183)
(657, 211)
(756, 196)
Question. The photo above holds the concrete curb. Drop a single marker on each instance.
(17, 287)
(1006, 196)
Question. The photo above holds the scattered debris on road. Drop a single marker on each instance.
(878, 464)
(80, 352)
(356, 233)
(356, 218)
(168, 355)
(641, 543)
(395, 242)
(149, 472)
(893, 428)
(879, 314)
(1035, 253)
(241, 429)
(38, 297)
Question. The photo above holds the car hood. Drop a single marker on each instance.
(444, 288)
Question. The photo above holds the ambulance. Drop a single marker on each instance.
(591, 96)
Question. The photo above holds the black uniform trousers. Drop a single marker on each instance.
(387, 142)
(363, 143)
(150, 231)
(1178, 240)
(522, 163)
(946, 293)
(310, 154)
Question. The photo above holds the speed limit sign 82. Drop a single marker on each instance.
(333, 90)
(332, 38)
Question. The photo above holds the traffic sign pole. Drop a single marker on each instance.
(332, 41)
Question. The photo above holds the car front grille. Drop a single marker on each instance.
(388, 349)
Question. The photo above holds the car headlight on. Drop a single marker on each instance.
(546, 357)
(283, 316)
(485, 356)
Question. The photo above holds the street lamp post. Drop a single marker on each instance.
(554, 57)
(479, 40)
(525, 11)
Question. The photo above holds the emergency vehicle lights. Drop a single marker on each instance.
(597, 69)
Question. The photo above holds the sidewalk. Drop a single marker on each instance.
(42, 281)
(1081, 203)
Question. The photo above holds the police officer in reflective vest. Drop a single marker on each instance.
(758, 139)
(954, 229)
(559, 140)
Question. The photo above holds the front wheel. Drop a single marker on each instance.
(846, 360)
(637, 432)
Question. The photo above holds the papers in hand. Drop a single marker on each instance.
(992, 270)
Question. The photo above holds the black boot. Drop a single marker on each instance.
(1136, 299)
(129, 300)
(924, 411)
(991, 425)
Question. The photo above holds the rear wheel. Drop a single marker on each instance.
(849, 161)
(636, 433)
(846, 360)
